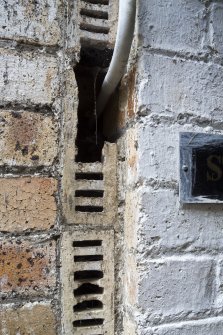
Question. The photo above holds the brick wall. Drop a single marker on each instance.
(173, 252)
(31, 92)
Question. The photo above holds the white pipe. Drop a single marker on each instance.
(125, 31)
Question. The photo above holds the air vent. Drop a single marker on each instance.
(88, 283)
(97, 19)
(91, 196)
(89, 188)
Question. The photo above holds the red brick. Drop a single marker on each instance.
(27, 268)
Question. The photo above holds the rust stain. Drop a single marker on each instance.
(131, 93)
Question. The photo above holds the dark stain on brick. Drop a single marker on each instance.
(131, 92)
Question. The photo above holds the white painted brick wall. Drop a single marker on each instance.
(178, 86)
(205, 327)
(177, 248)
(170, 287)
(172, 25)
(216, 28)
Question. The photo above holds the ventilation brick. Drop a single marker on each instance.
(97, 19)
(88, 283)
(91, 198)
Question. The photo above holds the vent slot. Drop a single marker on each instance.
(88, 275)
(89, 176)
(97, 2)
(87, 243)
(89, 193)
(88, 304)
(88, 288)
(88, 258)
(89, 209)
(94, 13)
(88, 322)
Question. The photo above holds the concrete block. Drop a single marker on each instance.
(177, 286)
(166, 226)
(36, 319)
(27, 139)
(28, 78)
(30, 21)
(212, 326)
(27, 203)
(180, 88)
(216, 29)
(172, 25)
(26, 268)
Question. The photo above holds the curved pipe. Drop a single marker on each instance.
(125, 31)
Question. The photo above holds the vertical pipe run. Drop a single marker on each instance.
(125, 31)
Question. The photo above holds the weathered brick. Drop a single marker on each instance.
(216, 28)
(31, 319)
(172, 25)
(177, 286)
(179, 88)
(30, 21)
(28, 78)
(212, 326)
(27, 203)
(27, 139)
(26, 268)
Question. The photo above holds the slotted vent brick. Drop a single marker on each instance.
(88, 283)
(91, 197)
(97, 19)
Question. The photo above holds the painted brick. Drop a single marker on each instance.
(212, 326)
(216, 29)
(26, 267)
(166, 225)
(172, 25)
(31, 319)
(178, 87)
(31, 78)
(158, 141)
(30, 21)
(27, 139)
(27, 203)
(177, 286)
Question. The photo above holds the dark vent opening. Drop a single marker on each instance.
(87, 243)
(88, 288)
(88, 258)
(89, 176)
(88, 275)
(88, 304)
(95, 2)
(90, 73)
(89, 193)
(97, 14)
(89, 209)
(88, 322)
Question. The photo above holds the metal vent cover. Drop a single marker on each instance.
(88, 283)
(97, 21)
